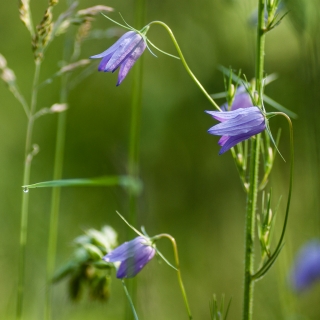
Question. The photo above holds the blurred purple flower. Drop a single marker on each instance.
(306, 269)
(132, 255)
(236, 125)
(124, 53)
(241, 99)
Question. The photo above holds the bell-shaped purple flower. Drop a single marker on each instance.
(306, 269)
(124, 53)
(236, 126)
(132, 255)
(241, 99)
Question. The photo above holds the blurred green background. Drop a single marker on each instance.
(189, 191)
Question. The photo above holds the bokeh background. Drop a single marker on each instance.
(189, 191)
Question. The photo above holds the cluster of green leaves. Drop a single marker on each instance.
(86, 269)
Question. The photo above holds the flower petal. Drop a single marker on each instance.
(307, 266)
(104, 62)
(130, 61)
(133, 265)
(232, 141)
(125, 250)
(241, 99)
(123, 51)
(115, 46)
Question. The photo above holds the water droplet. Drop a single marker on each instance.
(25, 190)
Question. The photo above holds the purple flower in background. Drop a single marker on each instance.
(124, 53)
(132, 255)
(306, 269)
(241, 99)
(236, 126)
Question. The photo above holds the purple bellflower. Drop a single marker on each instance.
(132, 255)
(124, 53)
(241, 99)
(306, 269)
(240, 123)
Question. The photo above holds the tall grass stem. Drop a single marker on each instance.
(134, 139)
(25, 196)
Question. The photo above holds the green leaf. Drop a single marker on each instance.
(124, 181)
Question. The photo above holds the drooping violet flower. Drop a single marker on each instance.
(241, 99)
(236, 126)
(306, 269)
(124, 53)
(132, 255)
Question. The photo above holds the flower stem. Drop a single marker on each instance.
(249, 229)
(25, 197)
(176, 257)
(185, 63)
(253, 177)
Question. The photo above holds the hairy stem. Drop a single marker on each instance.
(253, 177)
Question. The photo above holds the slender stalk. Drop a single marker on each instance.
(253, 178)
(56, 192)
(176, 257)
(55, 200)
(249, 229)
(130, 301)
(134, 139)
(185, 63)
(25, 197)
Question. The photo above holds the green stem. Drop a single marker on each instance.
(185, 63)
(249, 229)
(57, 175)
(134, 139)
(55, 199)
(176, 257)
(130, 301)
(253, 177)
(25, 197)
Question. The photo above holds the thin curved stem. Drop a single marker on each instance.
(185, 63)
(25, 197)
(176, 257)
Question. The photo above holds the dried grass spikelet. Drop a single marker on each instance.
(83, 31)
(92, 11)
(8, 76)
(3, 62)
(75, 65)
(25, 14)
(53, 2)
